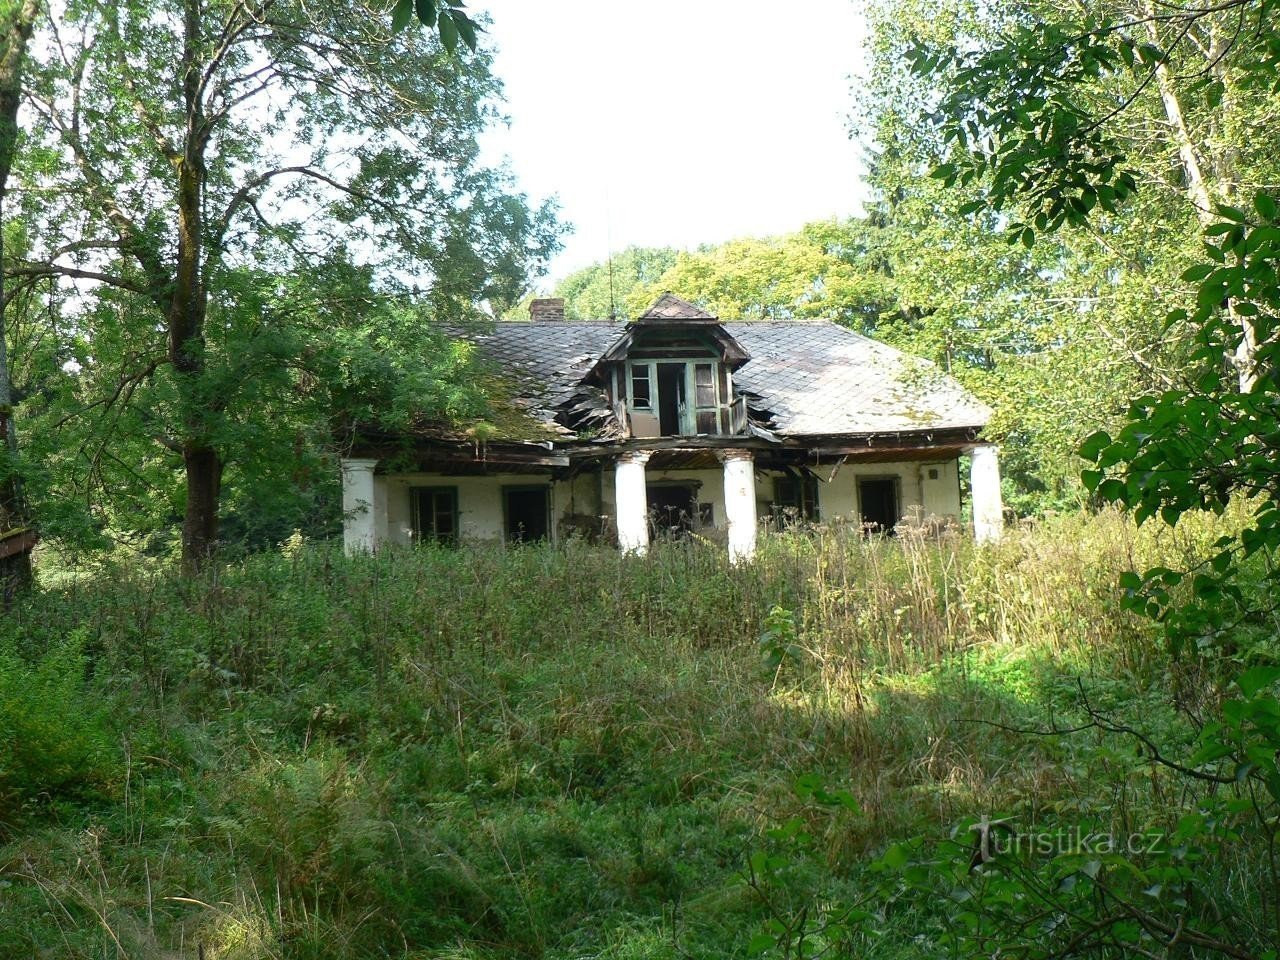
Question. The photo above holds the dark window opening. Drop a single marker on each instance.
(435, 514)
(672, 509)
(671, 399)
(527, 513)
(878, 500)
(795, 499)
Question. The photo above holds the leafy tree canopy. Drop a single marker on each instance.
(246, 200)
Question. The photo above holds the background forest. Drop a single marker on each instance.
(231, 228)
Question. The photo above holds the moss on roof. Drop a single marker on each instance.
(509, 417)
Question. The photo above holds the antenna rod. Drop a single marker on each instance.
(613, 306)
(608, 239)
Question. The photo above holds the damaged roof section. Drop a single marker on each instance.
(818, 378)
(811, 378)
(669, 307)
(545, 364)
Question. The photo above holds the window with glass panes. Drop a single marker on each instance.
(795, 498)
(435, 514)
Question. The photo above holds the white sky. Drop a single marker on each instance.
(678, 122)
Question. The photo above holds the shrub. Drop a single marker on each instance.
(55, 742)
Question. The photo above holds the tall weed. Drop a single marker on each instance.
(532, 751)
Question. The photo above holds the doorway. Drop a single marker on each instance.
(673, 508)
(878, 502)
(671, 402)
(526, 513)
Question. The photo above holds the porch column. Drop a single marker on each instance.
(359, 506)
(632, 503)
(740, 502)
(988, 508)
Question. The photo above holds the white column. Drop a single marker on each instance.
(740, 503)
(381, 524)
(988, 508)
(631, 503)
(359, 506)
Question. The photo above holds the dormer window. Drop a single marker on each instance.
(670, 374)
(660, 397)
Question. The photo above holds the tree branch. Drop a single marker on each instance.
(77, 273)
(245, 196)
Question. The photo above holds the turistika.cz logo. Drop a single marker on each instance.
(996, 838)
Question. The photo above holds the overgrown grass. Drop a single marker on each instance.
(536, 752)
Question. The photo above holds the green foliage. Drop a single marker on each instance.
(828, 269)
(552, 752)
(313, 259)
(800, 924)
(825, 270)
(1029, 119)
(778, 639)
(1034, 136)
(1201, 447)
(604, 289)
(1128, 884)
(54, 746)
(1029, 116)
(448, 17)
(313, 824)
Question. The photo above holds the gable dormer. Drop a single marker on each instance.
(671, 373)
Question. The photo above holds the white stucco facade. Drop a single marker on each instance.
(380, 508)
(481, 514)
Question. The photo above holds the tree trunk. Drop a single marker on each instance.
(200, 524)
(8, 498)
(187, 312)
(13, 511)
(1244, 358)
(15, 571)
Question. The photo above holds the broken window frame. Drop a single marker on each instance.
(646, 372)
(705, 410)
(638, 373)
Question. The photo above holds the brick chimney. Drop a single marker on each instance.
(549, 309)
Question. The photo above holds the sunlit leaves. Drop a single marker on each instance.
(1012, 122)
(1199, 449)
(448, 17)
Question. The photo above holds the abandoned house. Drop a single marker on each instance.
(678, 423)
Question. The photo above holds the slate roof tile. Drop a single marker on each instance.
(670, 307)
(814, 377)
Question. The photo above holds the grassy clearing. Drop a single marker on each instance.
(540, 752)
